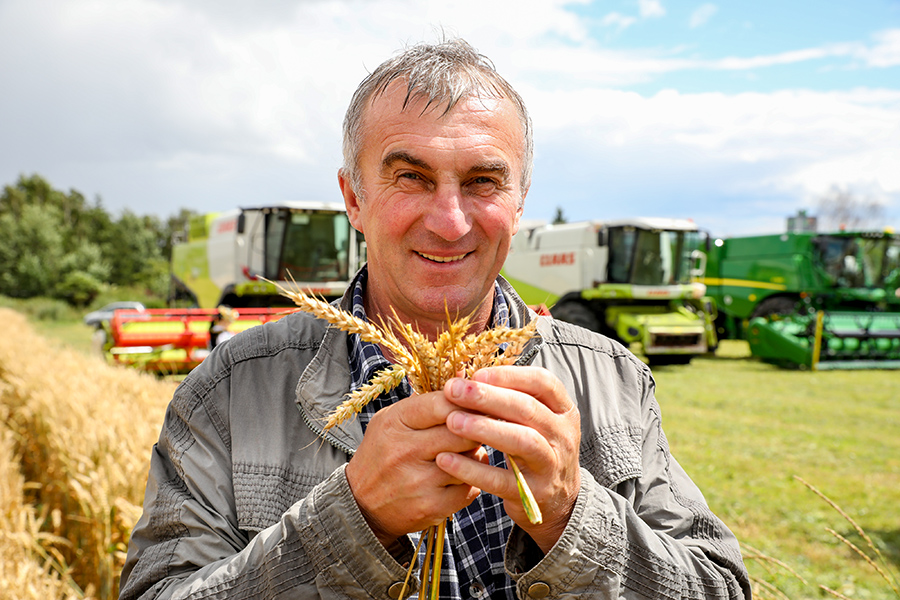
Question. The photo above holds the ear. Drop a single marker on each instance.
(351, 201)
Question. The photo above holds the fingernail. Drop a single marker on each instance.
(457, 388)
(456, 420)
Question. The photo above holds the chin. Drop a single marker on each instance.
(456, 303)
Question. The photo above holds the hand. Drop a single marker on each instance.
(393, 476)
(524, 412)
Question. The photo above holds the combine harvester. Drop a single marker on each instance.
(810, 300)
(630, 279)
(235, 259)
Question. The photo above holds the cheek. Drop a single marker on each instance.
(500, 225)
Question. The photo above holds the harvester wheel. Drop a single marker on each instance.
(577, 314)
(776, 305)
(658, 360)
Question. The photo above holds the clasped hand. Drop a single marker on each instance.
(422, 458)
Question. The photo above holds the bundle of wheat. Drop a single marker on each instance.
(427, 366)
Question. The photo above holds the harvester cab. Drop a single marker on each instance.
(632, 280)
(239, 259)
(808, 300)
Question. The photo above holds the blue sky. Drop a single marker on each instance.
(820, 43)
(735, 114)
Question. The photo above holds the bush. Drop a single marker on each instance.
(79, 288)
(42, 309)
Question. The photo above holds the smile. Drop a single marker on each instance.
(442, 259)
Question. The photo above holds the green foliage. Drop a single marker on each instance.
(78, 288)
(559, 217)
(42, 309)
(58, 245)
(32, 251)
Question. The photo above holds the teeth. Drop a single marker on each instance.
(442, 259)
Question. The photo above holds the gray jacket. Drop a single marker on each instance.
(246, 500)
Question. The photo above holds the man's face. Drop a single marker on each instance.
(442, 197)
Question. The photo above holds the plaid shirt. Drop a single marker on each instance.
(476, 536)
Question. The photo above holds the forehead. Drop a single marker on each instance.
(489, 121)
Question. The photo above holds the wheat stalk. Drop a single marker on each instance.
(891, 581)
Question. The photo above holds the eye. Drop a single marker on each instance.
(482, 185)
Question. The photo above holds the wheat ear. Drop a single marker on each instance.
(384, 380)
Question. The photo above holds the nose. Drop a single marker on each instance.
(446, 214)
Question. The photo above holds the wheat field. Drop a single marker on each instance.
(80, 432)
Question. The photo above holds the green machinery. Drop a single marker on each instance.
(630, 279)
(231, 257)
(238, 258)
(810, 300)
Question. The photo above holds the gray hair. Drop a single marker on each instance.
(442, 74)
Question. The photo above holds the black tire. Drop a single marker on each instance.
(775, 305)
(577, 314)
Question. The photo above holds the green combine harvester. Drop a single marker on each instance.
(810, 300)
(630, 279)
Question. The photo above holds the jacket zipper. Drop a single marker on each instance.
(320, 433)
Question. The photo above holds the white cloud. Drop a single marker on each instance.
(651, 9)
(650, 151)
(647, 9)
(164, 104)
(702, 15)
(618, 20)
(885, 53)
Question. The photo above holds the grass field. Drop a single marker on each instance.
(742, 429)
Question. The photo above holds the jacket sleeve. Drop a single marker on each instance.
(650, 536)
(188, 544)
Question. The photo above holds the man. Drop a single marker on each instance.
(246, 500)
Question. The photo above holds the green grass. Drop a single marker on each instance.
(743, 430)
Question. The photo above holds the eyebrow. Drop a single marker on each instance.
(498, 167)
(400, 156)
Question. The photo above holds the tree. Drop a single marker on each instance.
(132, 248)
(842, 209)
(31, 252)
(559, 217)
(58, 244)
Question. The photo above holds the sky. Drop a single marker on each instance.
(733, 114)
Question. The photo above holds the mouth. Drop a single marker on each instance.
(442, 259)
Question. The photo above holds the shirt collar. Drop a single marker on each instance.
(366, 357)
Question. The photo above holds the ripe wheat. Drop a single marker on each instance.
(427, 366)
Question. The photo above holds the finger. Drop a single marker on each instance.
(481, 475)
(498, 402)
(537, 382)
(392, 433)
(511, 438)
(423, 411)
